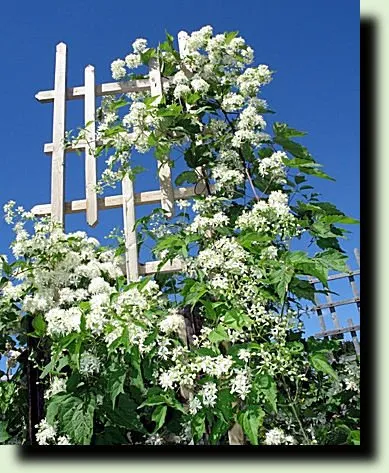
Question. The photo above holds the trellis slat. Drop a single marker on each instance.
(58, 155)
(90, 146)
(354, 336)
(164, 170)
(131, 253)
(109, 88)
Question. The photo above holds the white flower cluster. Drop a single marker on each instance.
(241, 384)
(273, 217)
(47, 435)
(277, 436)
(252, 79)
(57, 385)
(89, 364)
(273, 167)
(173, 322)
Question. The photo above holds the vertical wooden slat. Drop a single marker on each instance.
(129, 231)
(356, 253)
(354, 288)
(354, 337)
(58, 155)
(90, 160)
(164, 170)
(334, 316)
(319, 312)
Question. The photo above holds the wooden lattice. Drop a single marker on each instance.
(338, 331)
(91, 204)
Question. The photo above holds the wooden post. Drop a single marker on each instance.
(90, 146)
(132, 270)
(59, 117)
(164, 171)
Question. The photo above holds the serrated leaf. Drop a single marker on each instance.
(78, 421)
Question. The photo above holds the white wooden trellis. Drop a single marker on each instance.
(91, 204)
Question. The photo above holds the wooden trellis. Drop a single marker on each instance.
(338, 331)
(91, 204)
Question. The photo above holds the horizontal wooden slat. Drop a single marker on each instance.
(116, 201)
(335, 304)
(338, 331)
(109, 88)
(336, 276)
(48, 147)
(151, 267)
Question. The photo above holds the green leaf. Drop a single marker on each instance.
(125, 415)
(158, 416)
(282, 129)
(333, 259)
(186, 176)
(4, 435)
(354, 437)
(115, 383)
(218, 335)
(198, 426)
(219, 428)
(224, 404)
(73, 382)
(267, 386)
(111, 436)
(319, 361)
(78, 420)
(39, 324)
(250, 420)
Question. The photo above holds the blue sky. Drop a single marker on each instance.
(312, 46)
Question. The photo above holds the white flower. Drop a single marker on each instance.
(45, 433)
(172, 323)
(277, 436)
(63, 322)
(57, 385)
(199, 85)
(232, 102)
(139, 45)
(241, 383)
(182, 204)
(99, 285)
(133, 61)
(244, 355)
(209, 394)
(180, 90)
(273, 167)
(63, 440)
(118, 69)
(195, 405)
(89, 364)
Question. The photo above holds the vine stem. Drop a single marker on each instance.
(294, 410)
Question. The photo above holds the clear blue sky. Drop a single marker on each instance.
(312, 46)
